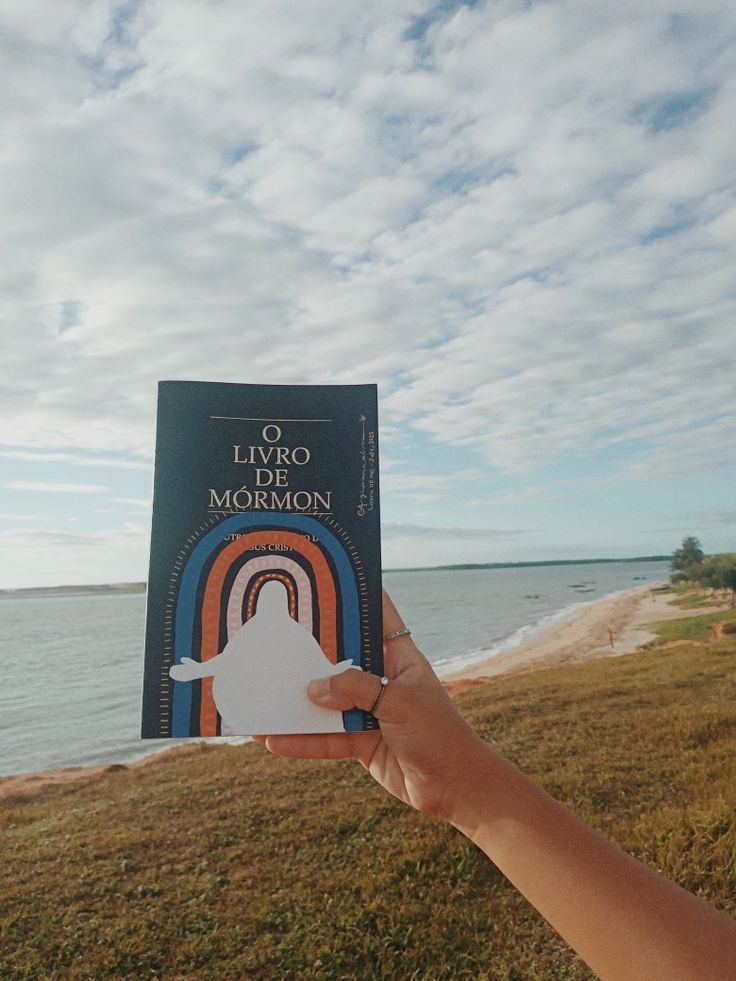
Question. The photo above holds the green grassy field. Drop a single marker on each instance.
(229, 863)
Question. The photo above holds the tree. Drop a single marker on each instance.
(717, 572)
(687, 559)
(729, 579)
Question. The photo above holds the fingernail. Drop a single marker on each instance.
(319, 689)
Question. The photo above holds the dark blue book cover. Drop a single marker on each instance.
(265, 564)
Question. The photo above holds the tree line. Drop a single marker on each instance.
(691, 564)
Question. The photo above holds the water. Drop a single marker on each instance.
(72, 665)
(468, 615)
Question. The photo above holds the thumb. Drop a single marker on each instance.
(351, 689)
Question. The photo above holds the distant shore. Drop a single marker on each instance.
(103, 589)
(541, 563)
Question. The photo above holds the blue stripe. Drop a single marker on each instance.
(186, 603)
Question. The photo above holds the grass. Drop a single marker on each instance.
(227, 863)
(696, 628)
(690, 596)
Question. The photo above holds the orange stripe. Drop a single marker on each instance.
(261, 581)
(213, 599)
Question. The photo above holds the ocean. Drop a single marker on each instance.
(72, 665)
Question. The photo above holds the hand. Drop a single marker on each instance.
(425, 753)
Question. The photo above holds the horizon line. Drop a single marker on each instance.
(141, 584)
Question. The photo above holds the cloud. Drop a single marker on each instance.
(402, 482)
(50, 539)
(54, 487)
(521, 496)
(138, 502)
(407, 545)
(705, 516)
(392, 529)
(517, 218)
(75, 459)
(720, 517)
(111, 555)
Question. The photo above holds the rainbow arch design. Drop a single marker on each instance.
(264, 565)
(220, 577)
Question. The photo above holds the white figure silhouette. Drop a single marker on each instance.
(261, 676)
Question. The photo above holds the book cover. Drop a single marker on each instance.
(265, 557)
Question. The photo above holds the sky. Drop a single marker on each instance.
(518, 218)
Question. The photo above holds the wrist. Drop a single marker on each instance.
(476, 790)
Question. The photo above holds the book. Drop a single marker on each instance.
(265, 568)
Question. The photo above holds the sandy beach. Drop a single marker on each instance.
(607, 628)
(585, 636)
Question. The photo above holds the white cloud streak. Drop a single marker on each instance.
(138, 502)
(54, 487)
(75, 459)
(401, 482)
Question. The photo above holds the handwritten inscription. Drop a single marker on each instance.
(366, 498)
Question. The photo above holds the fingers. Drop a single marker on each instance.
(327, 746)
(351, 689)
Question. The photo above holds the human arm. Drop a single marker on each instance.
(626, 921)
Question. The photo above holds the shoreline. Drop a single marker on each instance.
(584, 636)
(609, 627)
(527, 636)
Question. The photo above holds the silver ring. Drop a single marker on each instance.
(404, 632)
(381, 690)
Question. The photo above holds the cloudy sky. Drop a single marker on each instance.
(517, 217)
